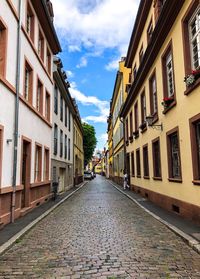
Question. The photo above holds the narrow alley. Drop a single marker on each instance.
(99, 233)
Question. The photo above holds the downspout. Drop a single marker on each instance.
(123, 122)
(16, 120)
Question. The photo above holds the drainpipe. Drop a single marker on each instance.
(16, 120)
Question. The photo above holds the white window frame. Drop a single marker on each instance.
(196, 36)
(170, 75)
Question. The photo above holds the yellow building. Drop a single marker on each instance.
(163, 158)
(121, 88)
(78, 149)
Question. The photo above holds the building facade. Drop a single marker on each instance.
(27, 44)
(163, 158)
(63, 130)
(78, 148)
(119, 96)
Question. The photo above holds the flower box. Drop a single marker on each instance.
(191, 78)
(167, 101)
(136, 134)
(143, 126)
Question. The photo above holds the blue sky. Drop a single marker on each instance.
(94, 35)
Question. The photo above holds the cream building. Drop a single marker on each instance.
(163, 158)
(120, 90)
(63, 130)
(26, 86)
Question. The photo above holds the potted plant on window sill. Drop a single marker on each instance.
(167, 101)
(192, 77)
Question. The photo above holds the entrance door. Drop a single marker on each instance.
(26, 172)
(128, 164)
(61, 180)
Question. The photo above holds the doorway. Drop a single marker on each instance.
(25, 172)
(61, 180)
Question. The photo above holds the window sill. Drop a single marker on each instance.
(131, 139)
(191, 88)
(157, 178)
(155, 118)
(127, 143)
(146, 177)
(177, 180)
(173, 104)
(196, 182)
(138, 176)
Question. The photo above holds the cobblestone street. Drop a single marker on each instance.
(99, 233)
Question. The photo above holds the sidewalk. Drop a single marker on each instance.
(186, 229)
(11, 232)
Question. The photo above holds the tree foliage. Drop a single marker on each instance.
(89, 142)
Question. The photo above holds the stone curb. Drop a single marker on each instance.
(13, 239)
(192, 242)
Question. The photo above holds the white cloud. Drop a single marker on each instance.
(70, 74)
(113, 65)
(95, 24)
(104, 136)
(102, 106)
(83, 62)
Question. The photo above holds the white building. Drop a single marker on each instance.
(25, 138)
(62, 133)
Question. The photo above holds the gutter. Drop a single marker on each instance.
(16, 119)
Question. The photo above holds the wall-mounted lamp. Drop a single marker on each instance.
(149, 120)
(8, 141)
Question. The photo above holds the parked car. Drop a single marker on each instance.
(88, 175)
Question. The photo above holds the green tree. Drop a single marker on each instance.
(89, 142)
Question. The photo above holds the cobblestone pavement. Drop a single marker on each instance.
(99, 233)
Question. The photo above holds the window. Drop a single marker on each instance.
(141, 53)
(30, 23)
(191, 37)
(195, 147)
(61, 143)
(55, 139)
(38, 162)
(47, 106)
(39, 96)
(174, 162)
(127, 129)
(56, 99)
(69, 150)
(168, 73)
(134, 72)
(65, 147)
(41, 45)
(131, 124)
(3, 48)
(138, 163)
(149, 31)
(136, 118)
(153, 95)
(69, 119)
(132, 164)
(194, 32)
(156, 159)
(46, 164)
(65, 115)
(48, 61)
(28, 82)
(145, 161)
(1, 150)
(61, 108)
(143, 108)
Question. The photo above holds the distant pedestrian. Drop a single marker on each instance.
(126, 184)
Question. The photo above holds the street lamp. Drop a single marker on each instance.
(149, 121)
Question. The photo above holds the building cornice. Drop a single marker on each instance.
(140, 21)
(164, 24)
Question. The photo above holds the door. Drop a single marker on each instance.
(26, 172)
(61, 180)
